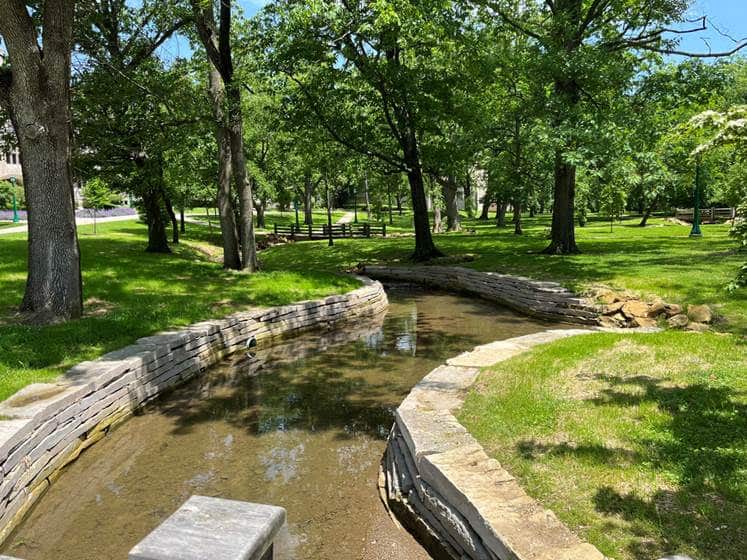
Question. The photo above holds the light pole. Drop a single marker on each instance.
(355, 203)
(695, 231)
(16, 218)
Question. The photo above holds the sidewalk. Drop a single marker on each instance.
(78, 221)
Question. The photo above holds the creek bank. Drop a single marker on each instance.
(45, 427)
(440, 483)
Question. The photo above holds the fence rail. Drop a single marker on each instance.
(711, 215)
(338, 231)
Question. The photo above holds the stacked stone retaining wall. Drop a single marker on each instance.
(46, 426)
(440, 483)
(544, 300)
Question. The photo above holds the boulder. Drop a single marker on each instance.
(697, 327)
(606, 296)
(613, 308)
(678, 321)
(699, 313)
(673, 309)
(657, 308)
(644, 322)
(633, 309)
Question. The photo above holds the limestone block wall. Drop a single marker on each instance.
(544, 300)
(46, 426)
(441, 484)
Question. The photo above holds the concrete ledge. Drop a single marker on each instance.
(544, 300)
(442, 485)
(213, 528)
(47, 426)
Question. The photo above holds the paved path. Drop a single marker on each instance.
(79, 221)
(346, 219)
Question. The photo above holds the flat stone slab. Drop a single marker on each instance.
(215, 529)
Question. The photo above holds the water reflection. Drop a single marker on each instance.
(302, 425)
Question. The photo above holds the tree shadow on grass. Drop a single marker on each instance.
(703, 446)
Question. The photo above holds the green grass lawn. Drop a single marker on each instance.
(8, 224)
(637, 442)
(130, 294)
(657, 260)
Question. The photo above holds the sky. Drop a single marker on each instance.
(728, 19)
(727, 16)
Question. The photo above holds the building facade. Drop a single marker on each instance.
(10, 157)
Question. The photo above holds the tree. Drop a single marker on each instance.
(96, 195)
(225, 91)
(585, 47)
(729, 128)
(374, 80)
(35, 91)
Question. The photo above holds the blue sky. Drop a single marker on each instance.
(729, 16)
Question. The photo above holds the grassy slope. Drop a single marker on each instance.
(638, 442)
(659, 259)
(130, 294)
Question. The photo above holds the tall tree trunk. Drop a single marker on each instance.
(182, 224)
(35, 90)
(260, 206)
(517, 218)
(450, 190)
(226, 214)
(500, 214)
(368, 199)
(563, 233)
(172, 217)
(648, 211)
(157, 241)
(398, 198)
(486, 202)
(308, 197)
(437, 225)
(243, 186)
(425, 249)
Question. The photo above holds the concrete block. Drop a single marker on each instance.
(213, 528)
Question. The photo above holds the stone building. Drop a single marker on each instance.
(10, 157)
(10, 164)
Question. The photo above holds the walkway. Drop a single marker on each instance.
(79, 221)
(346, 219)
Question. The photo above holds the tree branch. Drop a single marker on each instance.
(336, 135)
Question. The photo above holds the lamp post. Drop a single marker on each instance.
(355, 203)
(16, 218)
(695, 231)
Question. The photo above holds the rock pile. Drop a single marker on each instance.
(624, 309)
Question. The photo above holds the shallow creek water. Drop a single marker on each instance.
(301, 424)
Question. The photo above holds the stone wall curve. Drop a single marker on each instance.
(543, 300)
(44, 427)
(441, 484)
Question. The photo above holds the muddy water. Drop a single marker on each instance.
(301, 425)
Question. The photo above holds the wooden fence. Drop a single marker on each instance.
(707, 215)
(339, 231)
